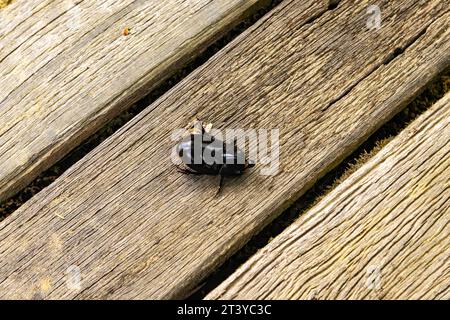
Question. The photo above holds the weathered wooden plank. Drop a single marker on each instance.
(136, 228)
(66, 68)
(383, 233)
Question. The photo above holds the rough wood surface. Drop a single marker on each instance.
(136, 228)
(4, 3)
(384, 233)
(66, 68)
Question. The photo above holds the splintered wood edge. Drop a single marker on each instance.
(281, 270)
(31, 151)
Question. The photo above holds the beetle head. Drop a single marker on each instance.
(195, 126)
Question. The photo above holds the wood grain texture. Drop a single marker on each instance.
(384, 233)
(136, 228)
(66, 68)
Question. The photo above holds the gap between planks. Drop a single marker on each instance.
(130, 223)
(423, 102)
(383, 233)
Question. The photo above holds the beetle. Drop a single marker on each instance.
(199, 152)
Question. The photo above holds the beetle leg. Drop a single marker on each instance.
(187, 171)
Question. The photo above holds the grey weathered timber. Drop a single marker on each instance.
(66, 68)
(136, 228)
(384, 233)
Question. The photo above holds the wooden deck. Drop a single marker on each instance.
(135, 228)
(382, 234)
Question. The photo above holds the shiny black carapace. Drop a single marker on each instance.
(202, 154)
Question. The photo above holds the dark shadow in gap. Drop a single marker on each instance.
(432, 93)
(10, 205)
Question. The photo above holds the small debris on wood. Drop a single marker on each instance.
(126, 31)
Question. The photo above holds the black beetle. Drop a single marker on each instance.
(199, 152)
